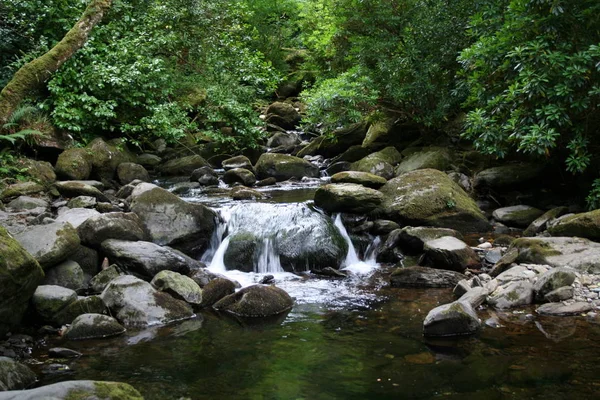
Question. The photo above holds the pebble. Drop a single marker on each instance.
(485, 245)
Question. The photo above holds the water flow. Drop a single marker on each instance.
(268, 259)
(352, 262)
(352, 256)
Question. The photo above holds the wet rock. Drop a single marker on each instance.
(94, 326)
(136, 303)
(107, 156)
(204, 176)
(128, 172)
(215, 290)
(66, 274)
(48, 300)
(182, 188)
(552, 280)
(179, 286)
(507, 176)
(27, 203)
(431, 157)
(339, 141)
(457, 318)
(256, 301)
(328, 271)
(361, 178)
(183, 166)
(266, 182)
(516, 273)
(450, 253)
(462, 287)
(244, 193)
(83, 389)
(283, 115)
(561, 309)
(560, 294)
(74, 164)
(584, 225)
(475, 296)
(83, 305)
(148, 160)
(412, 239)
(239, 175)
(71, 189)
(492, 256)
(424, 277)
(237, 162)
(99, 282)
(146, 258)
(14, 375)
(540, 223)
(283, 167)
(169, 220)
(49, 244)
(380, 163)
(62, 352)
(347, 197)
(115, 225)
(283, 139)
(513, 294)
(20, 189)
(428, 197)
(337, 167)
(521, 215)
(383, 227)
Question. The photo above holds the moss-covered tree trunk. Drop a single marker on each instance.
(30, 75)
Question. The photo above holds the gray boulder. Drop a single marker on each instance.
(348, 197)
(256, 301)
(424, 277)
(66, 274)
(74, 164)
(553, 279)
(585, 225)
(540, 223)
(82, 202)
(83, 305)
(48, 300)
(27, 203)
(560, 309)
(183, 166)
(412, 239)
(20, 189)
(94, 326)
(433, 157)
(75, 216)
(99, 282)
(49, 244)
(179, 286)
(204, 176)
(450, 253)
(457, 318)
(283, 115)
(82, 389)
(115, 225)
(285, 139)
(520, 216)
(80, 188)
(560, 294)
(361, 178)
(147, 259)
(135, 303)
(237, 162)
(283, 167)
(107, 156)
(513, 294)
(128, 172)
(14, 375)
(239, 175)
(148, 160)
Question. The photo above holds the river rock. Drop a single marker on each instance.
(239, 175)
(585, 225)
(237, 162)
(424, 277)
(128, 172)
(99, 282)
(507, 176)
(380, 163)
(169, 220)
(432, 157)
(27, 203)
(348, 197)
(513, 294)
(146, 258)
(183, 166)
(283, 115)
(560, 309)
(540, 223)
(521, 215)
(516, 273)
(245, 193)
(204, 176)
(75, 216)
(83, 305)
(383, 227)
(215, 290)
(114, 225)
(475, 296)
(283, 167)
(48, 300)
(50, 244)
(41, 171)
(337, 142)
(450, 253)
(285, 139)
(136, 303)
(82, 389)
(148, 160)
(361, 178)
(20, 189)
(179, 286)
(66, 274)
(107, 156)
(74, 164)
(552, 280)
(20, 275)
(256, 301)
(63, 352)
(412, 239)
(560, 294)
(80, 188)
(14, 375)
(94, 326)
(82, 202)
(429, 197)
(457, 318)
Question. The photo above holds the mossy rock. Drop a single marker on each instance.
(361, 178)
(507, 176)
(519, 216)
(239, 175)
(20, 189)
(552, 280)
(74, 164)
(77, 390)
(433, 157)
(41, 171)
(377, 131)
(236, 162)
(71, 189)
(183, 166)
(412, 239)
(50, 244)
(99, 282)
(256, 301)
(20, 275)
(179, 286)
(348, 197)
(585, 225)
(14, 375)
(428, 197)
(215, 290)
(337, 142)
(106, 157)
(283, 167)
(93, 326)
(48, 300)
(83, 305)
(514, 294)
(380, 163)
(66, 274)
(541, 222)
(283, 115)
(128, 172)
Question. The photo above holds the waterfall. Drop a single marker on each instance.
(352, 256)
(352, 262)
(268, 259)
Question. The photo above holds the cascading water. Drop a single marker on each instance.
(352, 263)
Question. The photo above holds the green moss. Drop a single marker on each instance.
(533, 251)
(105, 391)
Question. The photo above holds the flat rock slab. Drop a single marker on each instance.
(361, 178)
(348, 197)
(82, 389)
(454, 319)
(520, 215)
(50, 244)
(560, 309)
(425, 277)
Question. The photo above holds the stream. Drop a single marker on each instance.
(354, 338)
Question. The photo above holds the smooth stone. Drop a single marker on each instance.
(99, 282)
(27, 203)
(521, 215)
(82, 389)
(237, 162)
(82, 202)
(48, 300)
(72, 189)
(450, 253)
(424, 277)
(584, 225)
(239, 175)
(215, 290)
(83, 305)
(49, 244)
(560, 309)
(66, 274)
(560, 294)
(457, 318)
(475, 296)
(360, 178)
(179, 286)
(93, 326)
(513, 294)
(62, 352)
(256, 301)
(348, 197)
(114, 225)
(552, 280)
(75, 216)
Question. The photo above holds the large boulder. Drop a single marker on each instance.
(215, 290)
(302, 237)
(380, 163)
(179, 286)
(101, 280)
(27, 203)
(75, 216)
(66, 274)
(42, 171)
(348, 197)
(412, 239)
(433, 157)
(74, 164)
(115, 225)
(83, 305)
(169, 220)
(283, 115)
(20, 189)
(14, 375)
(147, 259)
(128, 172)
(553, 279)
(507, 176)
(256, 301)
(205, 176)
(50, 244)
(183, 166)
(237, 162)
(135, 303)
(360, 178)
(48, 300)
(337, 142)
(71, 390)
(513, 294)
(80, 188)
(93, 326)
(283, 167)
(541, 222)
(106, 157)
(450, 253)
(457, 318)
(239, 175)
(429, 197)
(284, 139)
(20, 275)
(424, 277)
(520, 216)
(585, 225)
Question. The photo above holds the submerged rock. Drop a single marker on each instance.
(82, 389)
(348, 197)
(256, 301)
(93, 326)
(424, 277)
(283, 167)
(457, 318)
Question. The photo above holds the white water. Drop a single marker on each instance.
(352, 263)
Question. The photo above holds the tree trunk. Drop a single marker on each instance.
(30, 75)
